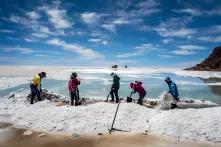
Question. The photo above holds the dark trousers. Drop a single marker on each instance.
(173, 106)
(74, 96)
(140, 100)
(35, 92)
(113, 92)
(174, 102)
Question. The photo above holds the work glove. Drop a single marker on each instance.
(40, 90)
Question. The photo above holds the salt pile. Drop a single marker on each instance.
(180, 124)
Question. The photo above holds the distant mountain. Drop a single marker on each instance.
(212, 63)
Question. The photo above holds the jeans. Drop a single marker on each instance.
(74, 96)
(113, 92)
(35, 92)
(140, 100)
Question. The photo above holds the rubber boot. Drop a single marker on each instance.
(173, 106)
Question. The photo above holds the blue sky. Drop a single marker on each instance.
(144, 33)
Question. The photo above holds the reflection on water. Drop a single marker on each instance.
(97, 85)
(15, 138)
(216, 89)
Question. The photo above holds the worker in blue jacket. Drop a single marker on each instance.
(173, 91)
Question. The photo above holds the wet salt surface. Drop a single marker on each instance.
(11, 137)
(96, 82)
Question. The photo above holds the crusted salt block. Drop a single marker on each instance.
(27, 133)
(42, 135)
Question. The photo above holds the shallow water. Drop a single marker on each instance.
(97, 85)
(11, 137)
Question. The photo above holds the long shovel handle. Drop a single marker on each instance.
(131, 93)
(78, 95)
(114, 118)
(107, 97)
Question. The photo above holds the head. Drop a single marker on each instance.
(42, 75)
(112, 74)
(168, 80)
(136, 82)
(131, 85)
(73, 75)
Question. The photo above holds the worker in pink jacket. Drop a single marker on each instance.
(73, 88)
(137, 87)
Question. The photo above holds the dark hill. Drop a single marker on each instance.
(212, 63)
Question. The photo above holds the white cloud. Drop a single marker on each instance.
(18, 49)
(104, 42)
(38, 30)
(59, 18)
(20, 20)
(215, 11)
(175, 27)
(211, 38)
(33, 15)
(198, 12)
(46, 30)
(6, 31)
(147, 4)
(126, 62)
(7, 59)
(139, 50)
(146, 47)
(166, 41)
(40, 35)
(190, 11)
(146, 8)
(109, 27)
(30, 39)
(212, 29)
(183, 32)
(165, 56)
(188, 49)
(86, 52)
(191, 47)
(97, 40)
(132, 54)
(120, 21)
(184, 52)
(91, 18)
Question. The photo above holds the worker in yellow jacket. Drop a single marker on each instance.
(36, 86)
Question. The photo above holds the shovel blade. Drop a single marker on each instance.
(129, 99)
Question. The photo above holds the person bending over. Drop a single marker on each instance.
(35, 86)
(173, 91)
(137, 87)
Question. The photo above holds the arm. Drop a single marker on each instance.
(135, 89)
(38, 82)
(79, 82)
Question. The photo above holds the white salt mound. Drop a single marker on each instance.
(180, 124)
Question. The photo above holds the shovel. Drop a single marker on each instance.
(129, 99)
(107, 97)
(112, 125)
(78, 95)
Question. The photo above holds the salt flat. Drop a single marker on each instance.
(201, 125)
